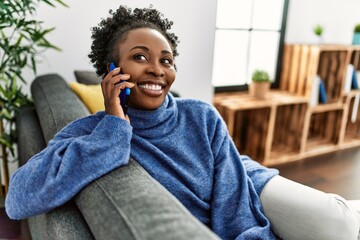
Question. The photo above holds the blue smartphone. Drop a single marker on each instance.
(124, 94)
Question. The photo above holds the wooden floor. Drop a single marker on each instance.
(336, 173)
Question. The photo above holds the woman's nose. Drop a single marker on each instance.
(155, 70)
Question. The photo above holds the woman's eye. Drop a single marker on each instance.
(167, 61)
(140, 57)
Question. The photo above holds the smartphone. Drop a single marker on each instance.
(124, 94)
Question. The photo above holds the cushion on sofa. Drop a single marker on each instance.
(56, 103)
(139, 208)
(90, 95)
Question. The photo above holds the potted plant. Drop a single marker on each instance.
(22, 39)
(318, 31)
(260, 84)
(356, 36)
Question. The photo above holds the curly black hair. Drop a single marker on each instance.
(113, 30)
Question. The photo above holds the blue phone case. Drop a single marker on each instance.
(124, 94)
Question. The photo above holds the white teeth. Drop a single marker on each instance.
(152, 87)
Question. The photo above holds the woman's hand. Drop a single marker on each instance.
(111, 88)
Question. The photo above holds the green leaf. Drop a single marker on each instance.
(4, 8)
(62, 3)
(33, 64)
(19, 40)
(44, 43)
(5, 142)
(49, 3)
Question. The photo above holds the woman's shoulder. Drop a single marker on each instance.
(195, 104)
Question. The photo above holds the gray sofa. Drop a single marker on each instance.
(108, 208)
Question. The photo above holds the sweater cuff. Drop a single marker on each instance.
(258, 174)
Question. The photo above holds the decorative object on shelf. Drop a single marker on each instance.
(260, 84)
(356, 36)
(318, 31)
(23, 39)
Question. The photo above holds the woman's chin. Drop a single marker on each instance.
(148, 101)
(150, 104)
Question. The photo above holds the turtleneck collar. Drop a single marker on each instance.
(154, 123)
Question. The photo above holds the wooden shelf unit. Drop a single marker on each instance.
(284, 127)
(256, 125)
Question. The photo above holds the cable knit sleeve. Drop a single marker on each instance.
(80, 153)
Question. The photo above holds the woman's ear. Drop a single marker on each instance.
(108, 67)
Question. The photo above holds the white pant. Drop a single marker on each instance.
(300, 212)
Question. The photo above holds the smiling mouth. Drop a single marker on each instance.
(151, 89)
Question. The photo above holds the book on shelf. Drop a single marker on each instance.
(322, 92)
(314, 95)
(348, 78)
(355, 108)
(354, 80)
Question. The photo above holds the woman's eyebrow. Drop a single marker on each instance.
(147, 49)
(141, 47)
(166, 52)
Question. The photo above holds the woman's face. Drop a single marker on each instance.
(147, 57)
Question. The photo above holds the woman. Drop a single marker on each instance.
(224, 190)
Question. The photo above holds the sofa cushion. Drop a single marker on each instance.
(90, 95)
(55, 103)
(139, 208)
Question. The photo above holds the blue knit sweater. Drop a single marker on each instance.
(184, 145)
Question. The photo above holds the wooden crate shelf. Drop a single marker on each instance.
(302, 63)
(254, 124)
(352, 129)
(355, 58)
(288, 129)
(251, 130)
(324, 129)
(284, 127)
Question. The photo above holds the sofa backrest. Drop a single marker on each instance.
(55, 103)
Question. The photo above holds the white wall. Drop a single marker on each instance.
(337, 17)
(194, 23)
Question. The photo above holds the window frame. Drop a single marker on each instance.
(276, 83)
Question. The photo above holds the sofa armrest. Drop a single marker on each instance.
(65, 222)
(129, 203)
(30, 138)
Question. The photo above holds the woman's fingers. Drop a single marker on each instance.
(111, 79)
(111, 87)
